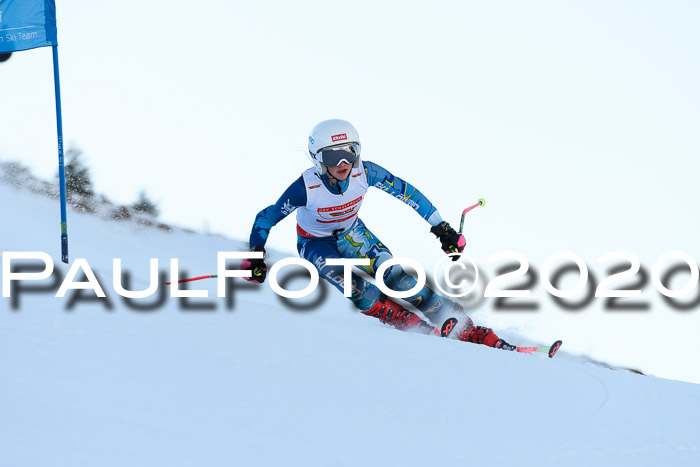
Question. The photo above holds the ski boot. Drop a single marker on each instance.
(393, 314)
(478, 334)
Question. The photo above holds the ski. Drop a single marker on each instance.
(447, 327)
(450, 323)
(550, 350)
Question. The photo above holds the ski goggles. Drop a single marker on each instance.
(335, 155)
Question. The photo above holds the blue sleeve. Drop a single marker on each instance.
(379, 177)
(293, 198)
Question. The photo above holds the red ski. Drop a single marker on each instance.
(549, 350)
(449, 325)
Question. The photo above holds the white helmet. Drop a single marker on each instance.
(332, 142)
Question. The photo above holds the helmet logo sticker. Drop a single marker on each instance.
(340, 137)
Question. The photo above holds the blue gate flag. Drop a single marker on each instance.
(27, 24)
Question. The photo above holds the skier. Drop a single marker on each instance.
(327, 198)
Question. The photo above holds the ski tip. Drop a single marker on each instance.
(554, 348)
(448, 326)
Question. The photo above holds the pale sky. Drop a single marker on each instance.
(577, 121)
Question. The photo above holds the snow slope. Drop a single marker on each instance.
(258, 383)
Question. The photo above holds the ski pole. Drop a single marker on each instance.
(256, 272)
(198, 278)
(482, 202)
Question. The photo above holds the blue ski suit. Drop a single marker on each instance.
(328, 226)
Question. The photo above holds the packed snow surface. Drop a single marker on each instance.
(247, 380)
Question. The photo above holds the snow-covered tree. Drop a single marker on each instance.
(145, 205)
(78, 180)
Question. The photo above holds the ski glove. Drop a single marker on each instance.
(257, 266)
(452, 242)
